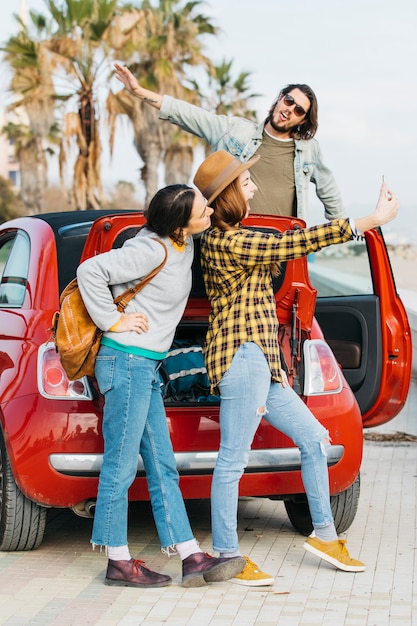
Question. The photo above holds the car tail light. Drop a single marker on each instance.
(322, 372)
(53, 381)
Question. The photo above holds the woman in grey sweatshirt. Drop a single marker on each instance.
(134, 419)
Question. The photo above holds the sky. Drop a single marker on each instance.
(358, 56)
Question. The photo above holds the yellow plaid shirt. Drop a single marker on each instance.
(237, 275)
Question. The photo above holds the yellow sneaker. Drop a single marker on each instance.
(251, 576)
(334, 552)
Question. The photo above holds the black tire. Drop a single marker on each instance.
(22, 522)
(344, 506)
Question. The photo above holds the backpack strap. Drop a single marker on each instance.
(125, 297)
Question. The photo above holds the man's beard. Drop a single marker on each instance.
(277, 128)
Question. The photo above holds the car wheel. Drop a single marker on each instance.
(344, 506)
(22, 522)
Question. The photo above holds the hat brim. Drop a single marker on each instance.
(231, 176)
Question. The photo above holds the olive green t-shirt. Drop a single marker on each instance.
(273, 174)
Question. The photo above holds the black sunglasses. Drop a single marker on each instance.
(289, 101)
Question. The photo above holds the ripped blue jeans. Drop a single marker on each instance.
(247, 395)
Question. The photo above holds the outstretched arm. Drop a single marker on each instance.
(386, 210)
(126, 77)
(258, 248)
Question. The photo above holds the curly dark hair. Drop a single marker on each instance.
(309, 126)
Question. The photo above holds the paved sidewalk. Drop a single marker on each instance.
(62, 582)
(406, 421)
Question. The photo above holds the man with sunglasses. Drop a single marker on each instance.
(290, 157)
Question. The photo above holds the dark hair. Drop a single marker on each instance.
(308, 128)
(169, 211)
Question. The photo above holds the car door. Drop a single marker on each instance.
(364, 321)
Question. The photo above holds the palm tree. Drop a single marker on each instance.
(64, 65)
(229, 96)
(161, 45)
(63, 62)
(34, 104)
(79, 45)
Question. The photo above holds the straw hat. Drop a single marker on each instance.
(218, 171)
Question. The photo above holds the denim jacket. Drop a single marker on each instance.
(242, 138)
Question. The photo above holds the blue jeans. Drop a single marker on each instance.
(247, 395)
(134, 421)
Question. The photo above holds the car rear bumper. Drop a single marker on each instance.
(196, 463)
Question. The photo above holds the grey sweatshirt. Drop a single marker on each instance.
(163, 300)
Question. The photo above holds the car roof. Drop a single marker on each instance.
(71, 229)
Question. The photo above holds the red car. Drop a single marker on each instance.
(348, 353)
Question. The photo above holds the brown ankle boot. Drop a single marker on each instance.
(133, 573)
(201, 568)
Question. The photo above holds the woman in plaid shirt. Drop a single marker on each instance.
(243, 356)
